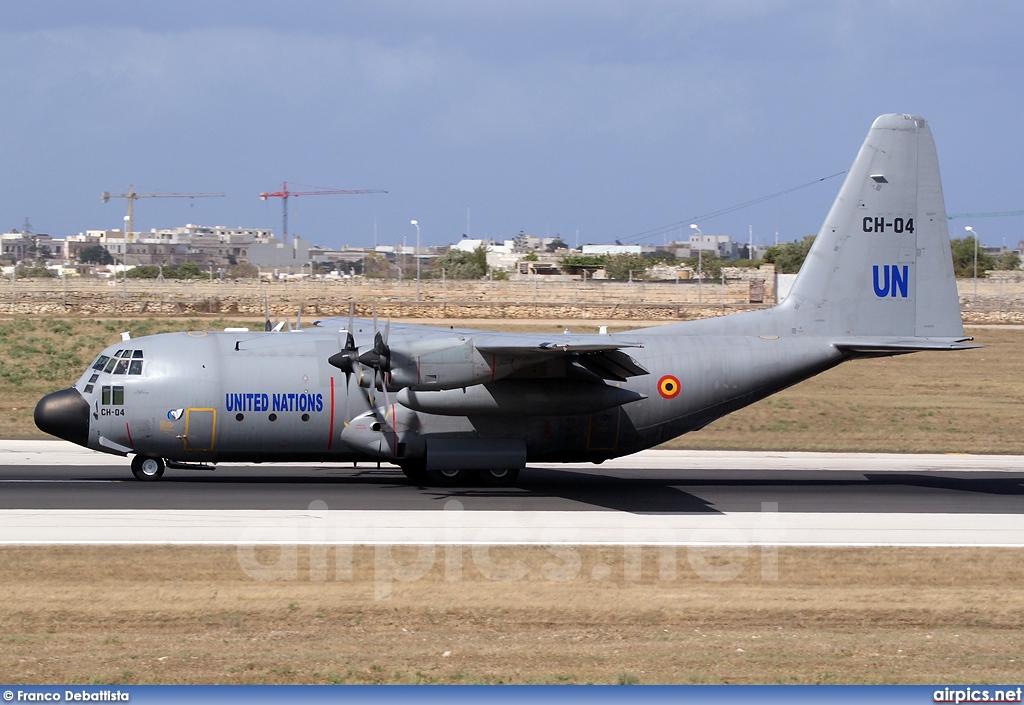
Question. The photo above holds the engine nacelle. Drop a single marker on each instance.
(448, 363)
(374, 433)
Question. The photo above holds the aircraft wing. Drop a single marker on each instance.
(601, 355)
(525, 343)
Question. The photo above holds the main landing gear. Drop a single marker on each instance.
(147, 468)
(493, 477)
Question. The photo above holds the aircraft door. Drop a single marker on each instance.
(200, 425)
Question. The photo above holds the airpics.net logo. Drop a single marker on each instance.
(970, 694)
(325, 549)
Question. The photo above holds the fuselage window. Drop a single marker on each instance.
(112, 396)
(88, 388)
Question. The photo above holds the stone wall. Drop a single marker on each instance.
(998, 299)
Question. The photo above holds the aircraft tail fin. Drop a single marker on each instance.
(881, 266)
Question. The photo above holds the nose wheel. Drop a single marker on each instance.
(146, 468)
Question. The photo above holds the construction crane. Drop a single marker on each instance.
(131, 197)
(284, 194)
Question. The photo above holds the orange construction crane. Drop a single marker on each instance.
(131, 197)
(284, 193)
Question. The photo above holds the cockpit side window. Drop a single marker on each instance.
(135, 368)
(121, 368)
(100, 362)
(110, 364)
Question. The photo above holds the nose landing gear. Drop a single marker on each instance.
(147, 468)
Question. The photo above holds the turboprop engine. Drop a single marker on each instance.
(445, 363)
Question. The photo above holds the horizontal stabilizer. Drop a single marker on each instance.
(894, 346)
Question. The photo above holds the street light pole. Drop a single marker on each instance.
(413, 222)
(700, 261)
(974, 236)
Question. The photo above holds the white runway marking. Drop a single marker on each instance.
(417, 527)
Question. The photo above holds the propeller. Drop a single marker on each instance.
(379, 358)
(266, 314)
(347, 359)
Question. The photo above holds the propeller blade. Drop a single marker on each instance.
(266, 314)
(384, 391)
(350, 341)
(298, 318)
(348, 386)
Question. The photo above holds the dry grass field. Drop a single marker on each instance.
(966, 402)
(192, 615)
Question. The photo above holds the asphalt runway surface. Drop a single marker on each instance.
(653, 482)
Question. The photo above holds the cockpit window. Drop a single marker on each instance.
(123, 362)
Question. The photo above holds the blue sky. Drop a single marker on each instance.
(612, 118)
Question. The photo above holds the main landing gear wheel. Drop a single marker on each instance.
(448, 477)
(146, 468)
(499, 477)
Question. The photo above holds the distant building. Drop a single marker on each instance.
(279, 254)
(612, 249)
(203, 245)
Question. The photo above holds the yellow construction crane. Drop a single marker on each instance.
(131, 197)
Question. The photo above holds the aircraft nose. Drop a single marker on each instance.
(64, 414)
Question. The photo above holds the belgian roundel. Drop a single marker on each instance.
(669, 387)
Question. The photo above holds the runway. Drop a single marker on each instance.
(54, 492)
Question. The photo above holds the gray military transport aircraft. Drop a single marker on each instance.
(452, 406)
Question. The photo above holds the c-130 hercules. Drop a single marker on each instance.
(451, 406)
